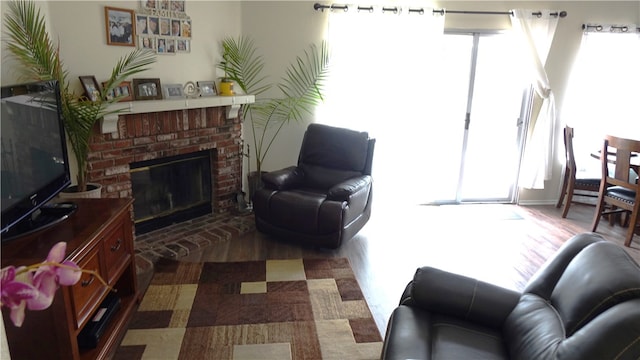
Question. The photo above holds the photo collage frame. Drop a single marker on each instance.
(163, 26)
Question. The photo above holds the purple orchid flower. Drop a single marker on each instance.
(37, 289)
(15, 293)
(48, 277)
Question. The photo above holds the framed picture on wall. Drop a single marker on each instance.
(120, 25)
(149, 4)
(141, 25)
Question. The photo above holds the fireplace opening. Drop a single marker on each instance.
(170, 190)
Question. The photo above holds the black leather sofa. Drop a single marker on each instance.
(324, 200)
(583, 304)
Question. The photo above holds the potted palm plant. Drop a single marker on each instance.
(300, 90)
(29, 43)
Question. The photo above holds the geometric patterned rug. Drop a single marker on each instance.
(274, 309)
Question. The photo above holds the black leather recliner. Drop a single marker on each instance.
(583, 304)
(325, 199)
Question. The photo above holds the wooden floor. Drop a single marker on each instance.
(500, 244)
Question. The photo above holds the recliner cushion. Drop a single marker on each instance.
(336, 148)
(323, 177)
(302, 217)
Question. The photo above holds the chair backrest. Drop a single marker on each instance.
(329, 155)
(568, 151)
(583, 304)
(619, 151)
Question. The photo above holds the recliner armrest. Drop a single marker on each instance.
(283, 179)
(346, 189)
(460, 296)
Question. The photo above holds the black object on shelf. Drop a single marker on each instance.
(90, 335)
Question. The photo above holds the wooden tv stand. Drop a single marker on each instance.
(99, 237)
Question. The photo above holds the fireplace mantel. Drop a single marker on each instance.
(109, 124)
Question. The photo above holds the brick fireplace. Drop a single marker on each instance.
(154, 135)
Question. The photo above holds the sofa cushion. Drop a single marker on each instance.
(591, 285)
(414, 333)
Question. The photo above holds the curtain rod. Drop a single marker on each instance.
(611, 28)
(395, 10)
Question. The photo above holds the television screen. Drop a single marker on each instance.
(34, 166)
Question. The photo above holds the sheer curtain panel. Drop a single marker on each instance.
(602, 95)
(537, 28)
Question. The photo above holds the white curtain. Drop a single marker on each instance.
(383, 70)
(602, 95)
(537, 33)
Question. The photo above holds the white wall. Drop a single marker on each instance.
(80, 28)
(283, 29)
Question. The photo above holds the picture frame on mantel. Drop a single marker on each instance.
(123, 90)
(173, 91)
(207, 88)
(120, 26)
(90, 86)
(147, 89)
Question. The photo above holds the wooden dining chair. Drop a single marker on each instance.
(617, 189)
(571, 183)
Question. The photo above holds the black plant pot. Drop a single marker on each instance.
(255, 182)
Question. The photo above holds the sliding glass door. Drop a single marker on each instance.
(482, 125)
(445, 109)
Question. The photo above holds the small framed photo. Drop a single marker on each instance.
(162, 46)
(184, 46)
(164, 4)
(173, 91)
(141, 25)
(207, 88)
(185, 32)
(177, 5)
(91, 87)
(123, 90)
(121, 27)
(147, 89)
(152, 23)
(147, 42)
(149, 4)
(165, 26)
(171, 46)
(176, 27)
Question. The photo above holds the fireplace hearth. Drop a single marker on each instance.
(170, 190)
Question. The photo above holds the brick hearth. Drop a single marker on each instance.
(156, 135)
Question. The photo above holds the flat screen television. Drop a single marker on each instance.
(34, 163)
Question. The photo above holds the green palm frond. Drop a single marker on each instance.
(242, 65)
(29, 42)
(135, 62)
(301, 89)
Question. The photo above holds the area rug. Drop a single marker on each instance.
(274, 309)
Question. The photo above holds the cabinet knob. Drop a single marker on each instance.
(88, 282)
(116, 247)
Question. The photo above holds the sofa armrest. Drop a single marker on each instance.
(283, 179)
(346, 189)
(469, 299)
